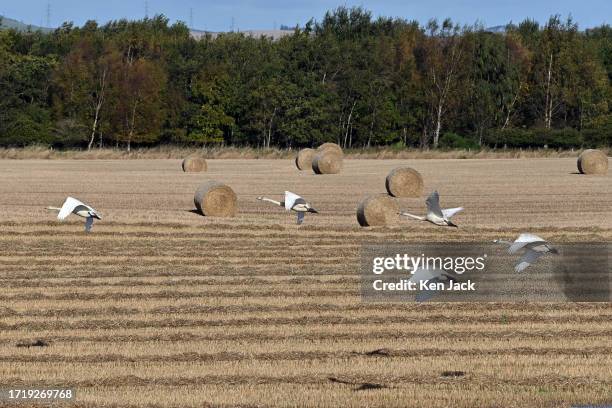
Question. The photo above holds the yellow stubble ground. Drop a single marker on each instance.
(160, 306)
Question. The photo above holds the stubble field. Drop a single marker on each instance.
(160, 306)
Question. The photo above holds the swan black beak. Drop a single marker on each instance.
(312, 210)
(97, 216)
(450, 224)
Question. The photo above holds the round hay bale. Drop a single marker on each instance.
(194, 165)
(327, 162)
(330, 146)
(303, 160)
(404, 182)
(379, 209)
(593, 161)
(214, 199)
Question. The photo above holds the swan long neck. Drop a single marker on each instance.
(53, 209)
(271, 201)
(416, 217)
(501, 241)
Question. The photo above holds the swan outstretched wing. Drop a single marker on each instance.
(523, 240)
(431, 276)
(300, 218)
(528, 237)
(449, 212)
(433, 204)
(69, 206)
(529, 257)
(89, 224)
(425, 274)
(290, 199)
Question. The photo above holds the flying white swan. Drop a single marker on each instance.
(429, 276)
(293, 202)
(435, 215)
(74, 206)
(534, 247)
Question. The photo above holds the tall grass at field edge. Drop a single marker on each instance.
(173, 152)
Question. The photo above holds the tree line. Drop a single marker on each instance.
(350, 78)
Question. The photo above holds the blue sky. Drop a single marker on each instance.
(253, 14)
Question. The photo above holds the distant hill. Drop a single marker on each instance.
(496, 29)
(274, 34)
(7, 23)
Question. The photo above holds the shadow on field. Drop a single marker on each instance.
(35, 343)
(357, 385)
